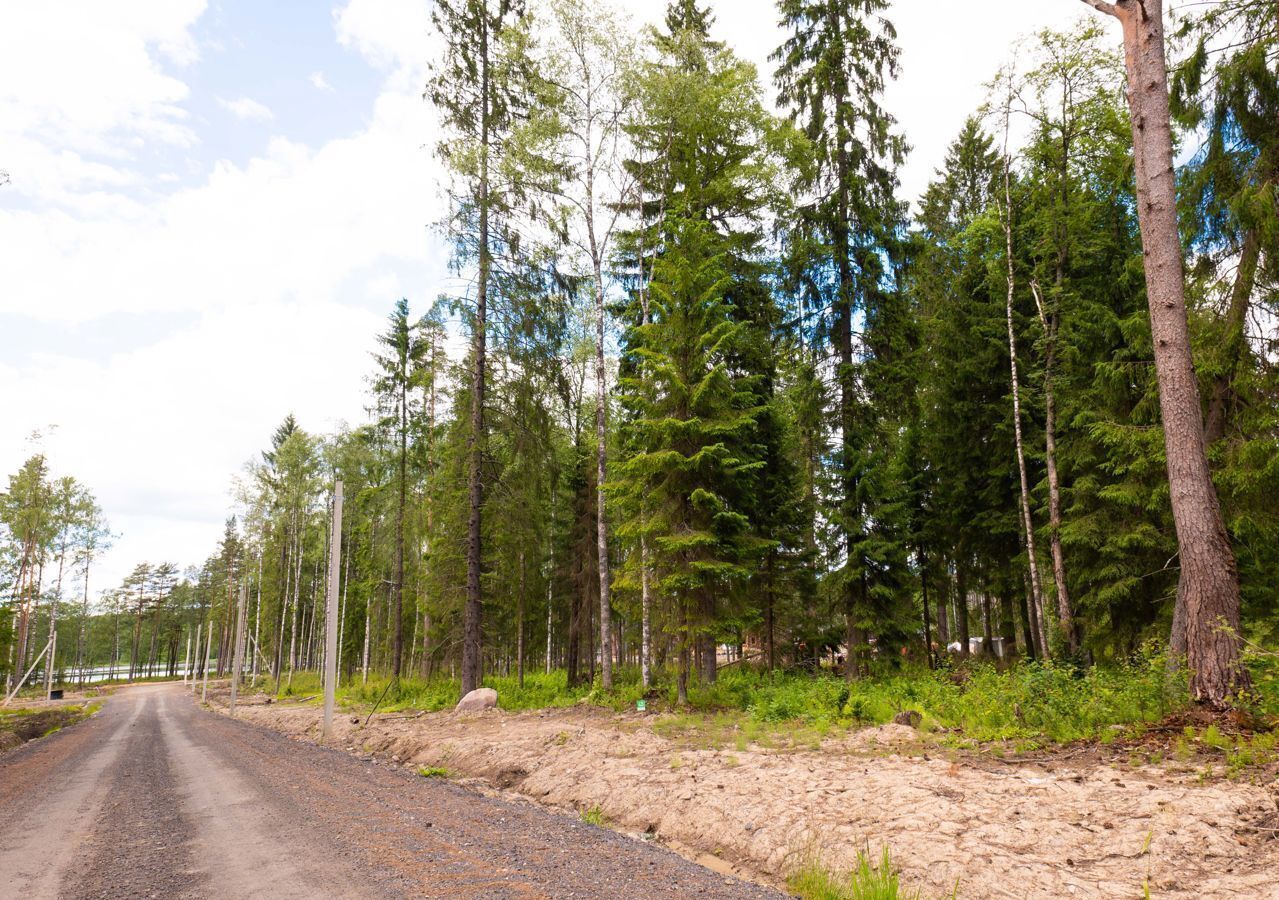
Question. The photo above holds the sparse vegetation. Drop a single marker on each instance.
(594, 816)
(867, 881)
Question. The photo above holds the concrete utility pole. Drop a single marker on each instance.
(53, 643)
(238, 656)
(331, 614)
(195, 660)
(53, 651)
(208, 650)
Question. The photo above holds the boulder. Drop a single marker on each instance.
(907, 717)
(477, 700)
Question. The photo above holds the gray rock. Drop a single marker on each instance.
(477, 700)
(907, 717)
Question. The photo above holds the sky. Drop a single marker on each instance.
(212, 205)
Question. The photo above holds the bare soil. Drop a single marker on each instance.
(154, 797)
(1074, 823)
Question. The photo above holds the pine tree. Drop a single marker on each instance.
(1209, 582)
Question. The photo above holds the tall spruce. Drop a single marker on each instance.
(831, 75)
(399, 368)
(478, 91)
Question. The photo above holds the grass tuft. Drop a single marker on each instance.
(867, 881)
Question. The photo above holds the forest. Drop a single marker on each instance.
(714, 393)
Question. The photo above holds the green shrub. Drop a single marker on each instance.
(593, 816)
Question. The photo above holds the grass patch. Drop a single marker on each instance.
(17, 726)
(1030, 705)
(593, 816)
(434, 772)
(867, 881)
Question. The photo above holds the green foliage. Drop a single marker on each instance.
(433, 772)
(594, 816)
(869, 880)
(1028, 704)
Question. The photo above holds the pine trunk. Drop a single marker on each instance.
(1209, 583)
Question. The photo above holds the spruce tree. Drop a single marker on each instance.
(831, 74)
(689, 416)
(399, 366)
(479, 87)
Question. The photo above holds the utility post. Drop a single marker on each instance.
(238, 655)
(331, 614)
(208, 650)
(53, 651)
(195, 660)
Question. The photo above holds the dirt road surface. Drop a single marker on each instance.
(156, 798)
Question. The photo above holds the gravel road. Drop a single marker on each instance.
(154, 797)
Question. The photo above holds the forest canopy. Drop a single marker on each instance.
(717, 393)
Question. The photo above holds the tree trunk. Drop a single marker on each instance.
(1209, 581)
(397, 621)
(601, 437)
(472, 663)
(1050, 323)
(1027, 523)
(519, 627)
(923, 590)
(1221, 393)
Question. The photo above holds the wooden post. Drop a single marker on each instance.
(331, 614)
(238, 655)
(24, 678)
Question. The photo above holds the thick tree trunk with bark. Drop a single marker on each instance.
(1209, 583)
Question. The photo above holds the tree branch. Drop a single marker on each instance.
(1102, 6)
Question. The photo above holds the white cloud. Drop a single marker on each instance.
(285, 265)
(85, 79)
(247, 108)
(389, 33)
(319, 82)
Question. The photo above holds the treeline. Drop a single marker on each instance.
(51, 532)
(722, 387)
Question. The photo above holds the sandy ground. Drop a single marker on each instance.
(1071, 825)
(154, 797)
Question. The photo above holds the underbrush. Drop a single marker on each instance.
(1029, 703)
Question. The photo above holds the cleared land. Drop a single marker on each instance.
(1090, 820)
(154, 797)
